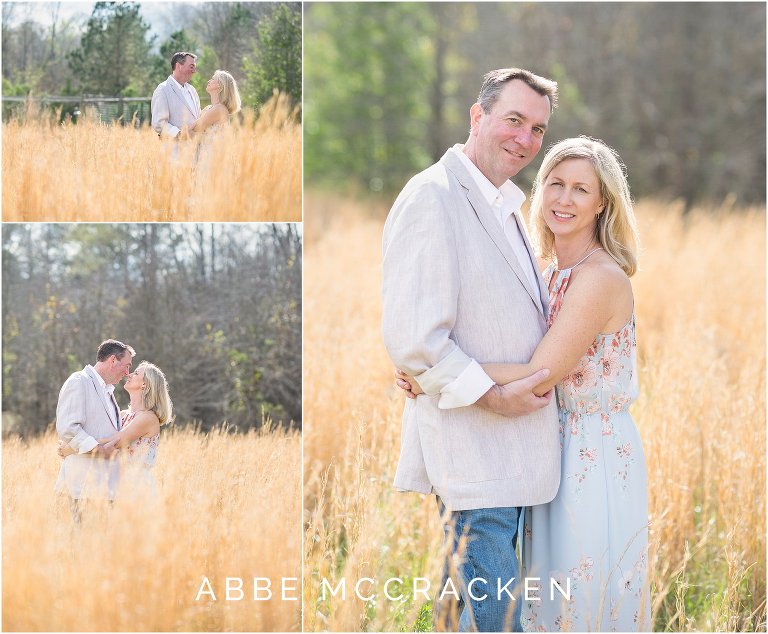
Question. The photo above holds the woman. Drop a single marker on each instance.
(225, 101)
(593, 536)
(149, 409)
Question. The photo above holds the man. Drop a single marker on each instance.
(461, 287)
(175, 102)
(87, 411)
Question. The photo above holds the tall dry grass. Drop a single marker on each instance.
(700, 300)
(227, 506)
(246, 172)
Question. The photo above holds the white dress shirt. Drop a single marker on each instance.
(505, 201)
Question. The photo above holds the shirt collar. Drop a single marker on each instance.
(173, 79)
(109, 388)
(514, 197)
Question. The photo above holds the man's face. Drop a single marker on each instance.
(119, 368)
(509, 136)
(187, 68)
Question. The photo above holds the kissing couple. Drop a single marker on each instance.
(100, 444)
(176, 105)
(481, 337)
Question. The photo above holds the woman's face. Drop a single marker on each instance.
(571, 198)
(135, 380)
(213, 86)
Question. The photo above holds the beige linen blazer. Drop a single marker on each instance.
(453, 291)
(84, 414)
(170, 109)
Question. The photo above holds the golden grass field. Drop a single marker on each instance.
(227, 506)
(700, 304)
(248, 172)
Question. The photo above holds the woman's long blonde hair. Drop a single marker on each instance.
(155, 395)
(229, 95)
(616, 229)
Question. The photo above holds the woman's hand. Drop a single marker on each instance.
(108, 445)
(65, 450)
(112, 443)
(406, 383)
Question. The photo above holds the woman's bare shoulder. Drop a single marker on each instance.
(602, 274)
(147, 420)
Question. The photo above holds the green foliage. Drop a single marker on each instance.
(277, 61)
(16, 90)
(178, 41)
(707, 594)
(368, 71)
(276, 64)
(10, 89)
(207, 63)
(389, 85)
(114, 52)
(424, 619)
(235, 34)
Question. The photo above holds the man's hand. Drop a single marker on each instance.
(516, 398)
(64, 449)
(512, 399)
(406, 383)
(111, 445)
(102, 451)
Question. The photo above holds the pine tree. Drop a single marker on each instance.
(114, 55)
(277, 63)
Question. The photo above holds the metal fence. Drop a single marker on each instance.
(128, 110)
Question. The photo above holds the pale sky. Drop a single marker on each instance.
(158, 15)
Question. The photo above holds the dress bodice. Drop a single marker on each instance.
(215, 127)
(605, 378)
(142, 450)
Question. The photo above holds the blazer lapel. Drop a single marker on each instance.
(108, 407)
(491, 225)
(198, 111)
(542, 287)
(181, 97)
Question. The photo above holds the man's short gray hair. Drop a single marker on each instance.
(113, 347)
(178, 58)
(495, 80)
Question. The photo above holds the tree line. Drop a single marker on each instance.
(217, 307)
(677, 88)
(114, 55)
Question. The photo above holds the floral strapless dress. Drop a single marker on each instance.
(594, 534)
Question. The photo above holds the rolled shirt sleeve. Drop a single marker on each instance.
(83, 442)
(469, 384)
(170, 130)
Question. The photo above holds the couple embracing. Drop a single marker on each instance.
(103, 446)
(176, 105)
(482, 339)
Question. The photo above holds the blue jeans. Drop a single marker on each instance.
(487, 556)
